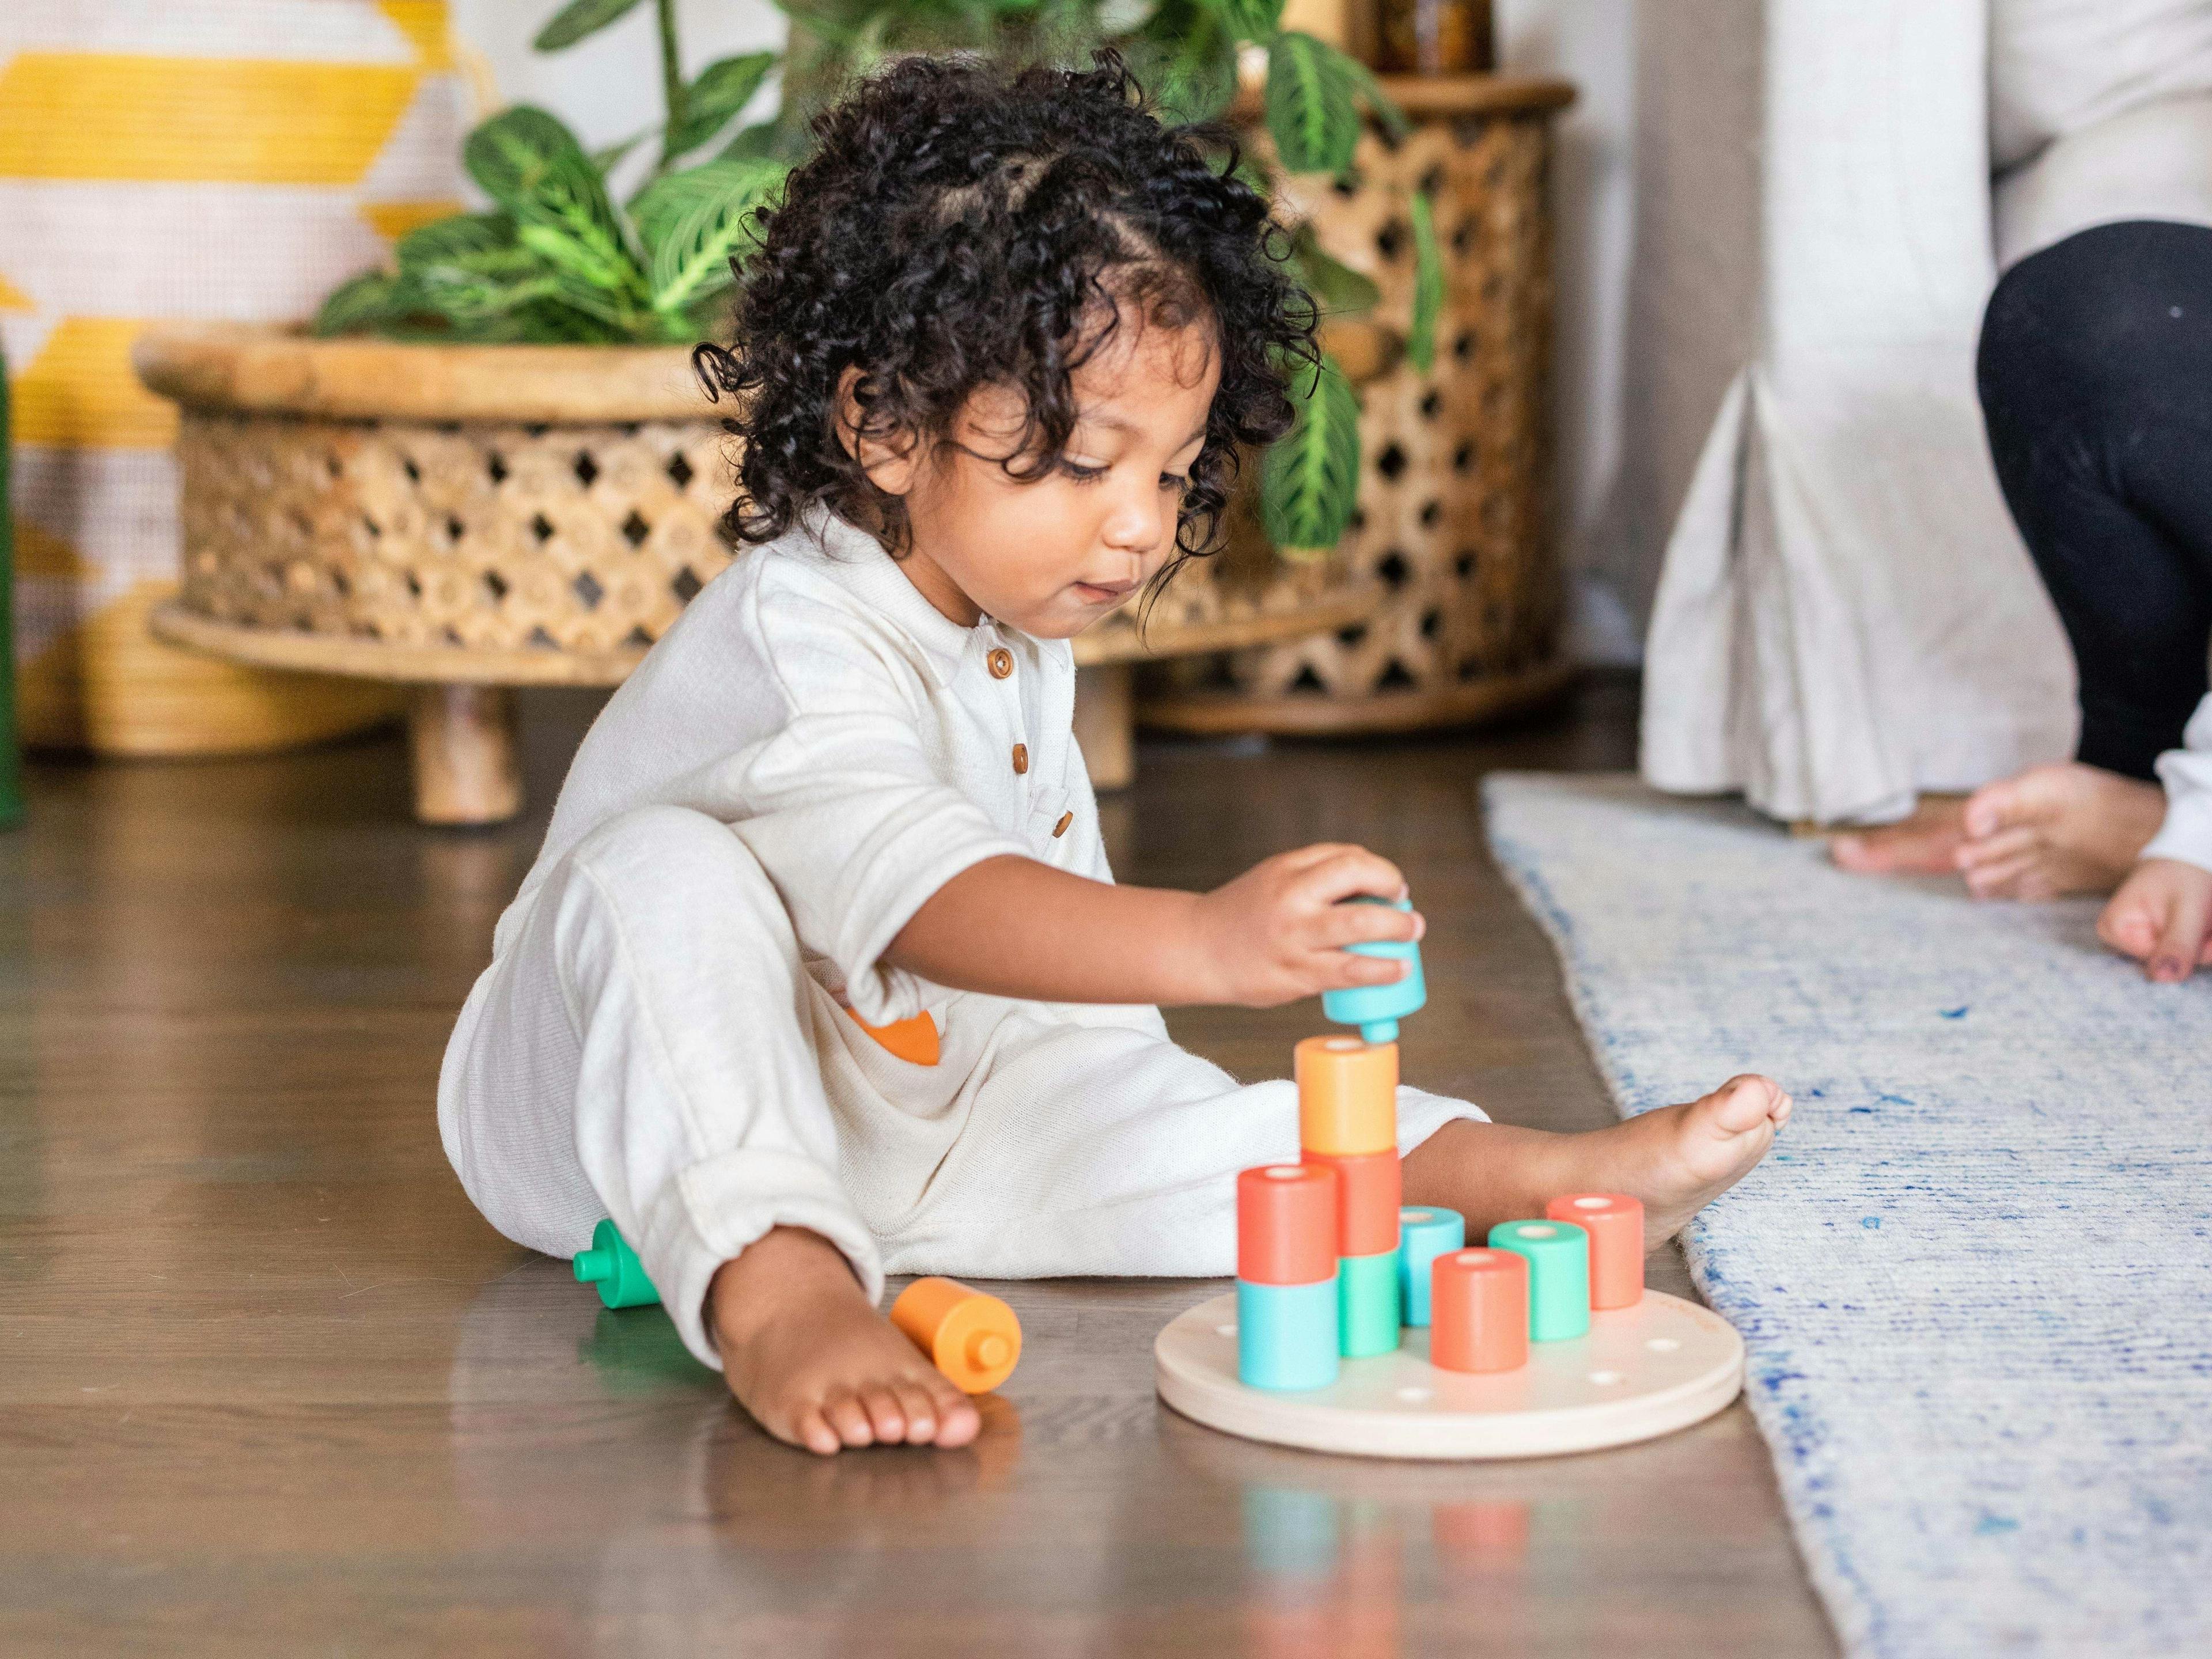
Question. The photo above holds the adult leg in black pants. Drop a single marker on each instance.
(2095, 373)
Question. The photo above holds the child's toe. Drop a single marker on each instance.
(812, 1431)
(958, 1423)
(1744, 1102)
(920, 1412)
(849, 1418)
(886, 1420)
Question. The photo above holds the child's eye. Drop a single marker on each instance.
(1176, 481)
(1082, 474)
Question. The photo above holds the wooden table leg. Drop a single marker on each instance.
(462, 741)
(1106, 723)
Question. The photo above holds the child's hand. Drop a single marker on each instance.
(2162, 916)
(1276, 933)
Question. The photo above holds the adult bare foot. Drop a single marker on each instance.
(814, 1364)
(1926, 844)
(1676, 1160)
(2056, 829)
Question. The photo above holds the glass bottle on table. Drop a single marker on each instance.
(1436, 37)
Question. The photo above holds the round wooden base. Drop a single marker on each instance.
(1642, 1371)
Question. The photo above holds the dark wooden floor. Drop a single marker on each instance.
(268, 1385)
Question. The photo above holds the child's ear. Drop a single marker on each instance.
(891, 463)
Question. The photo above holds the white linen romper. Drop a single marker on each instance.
(667, 1032)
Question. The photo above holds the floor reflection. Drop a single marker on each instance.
(1368, 1558)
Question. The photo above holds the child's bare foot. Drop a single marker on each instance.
(1676, 1160)
(1679, 1158)
(814, 1364)
(1926, 844)
(2056, 829)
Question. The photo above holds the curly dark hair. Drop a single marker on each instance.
(963, 224)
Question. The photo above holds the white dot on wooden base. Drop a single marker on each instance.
(1644, 1370)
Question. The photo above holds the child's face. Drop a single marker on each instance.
(1052, 555)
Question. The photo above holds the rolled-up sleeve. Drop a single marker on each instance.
(844, 809)
(2186, 772)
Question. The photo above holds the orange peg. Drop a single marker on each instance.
(1369, 1190)
(913, 1040)
(1347, 1096)
(1479, 1311)
(974, 1338)
(1615, 1225)
(1286, 1224)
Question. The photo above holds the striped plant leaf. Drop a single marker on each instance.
(762, 141)
(530, 165)
(459, 237)
(1250, 19)
(609, 157)
(472, 269)
(1385, 110)
(1336, 287)
(1313, 113)
(375, 300)
(724, 88)
(578, 19)
(1310, 477)
(1188, 60)
(693, 221)
(1428, 285)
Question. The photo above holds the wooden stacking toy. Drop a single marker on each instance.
(1376, 1009)
(1424, 1234)
(973, 1338)
(1363, 1325)
(1286, 1306)
(1615, 1226)
(1480, 1299)
(1348, 1125)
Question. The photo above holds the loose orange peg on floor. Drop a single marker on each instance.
(1479, 1311)
(974, 1338)
(1615, 1225)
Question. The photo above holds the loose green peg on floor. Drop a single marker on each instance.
(612, 1266)
(1376, 1009)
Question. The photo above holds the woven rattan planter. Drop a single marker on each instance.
(1453, 515)
(469, 519)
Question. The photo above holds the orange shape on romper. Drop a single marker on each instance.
(913, 1041)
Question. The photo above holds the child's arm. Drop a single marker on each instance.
(1012, 926)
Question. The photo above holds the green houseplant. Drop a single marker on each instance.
(557, 260)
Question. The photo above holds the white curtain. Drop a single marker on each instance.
(1845, 616)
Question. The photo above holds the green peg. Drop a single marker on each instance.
(1558, 1275)
(1368, 1316)
(612, 1266)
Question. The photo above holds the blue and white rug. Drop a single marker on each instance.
(1976, 1274)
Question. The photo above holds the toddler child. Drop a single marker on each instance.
(998, 350)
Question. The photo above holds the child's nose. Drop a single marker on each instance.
(1137, 524)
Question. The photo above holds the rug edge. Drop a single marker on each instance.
(1857, 1620)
